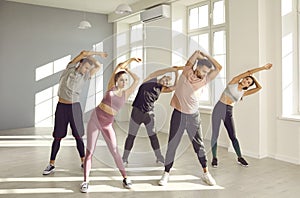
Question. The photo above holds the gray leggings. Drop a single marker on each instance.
(191, 123)
(137, 118)
(223, 112)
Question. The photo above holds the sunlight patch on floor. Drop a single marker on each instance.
(112, 178)
(146, 187)
(34, 191)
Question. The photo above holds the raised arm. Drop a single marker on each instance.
(192, 60)
(213, 73)
(97, 65)
(253, 90)
(237, 78)
(85, 54)
(120, 66)
(159, 73)
(172, 88)
(134, 84)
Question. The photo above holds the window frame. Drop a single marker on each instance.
(210, 30)
(137, 44)
(298, 54)
(293, 28)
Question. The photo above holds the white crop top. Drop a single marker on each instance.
(233, 93)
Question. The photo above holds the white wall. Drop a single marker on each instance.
(254, 38)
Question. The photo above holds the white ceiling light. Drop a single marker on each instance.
(123, 9)
(84, 24)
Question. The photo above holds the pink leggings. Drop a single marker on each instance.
(101, 121)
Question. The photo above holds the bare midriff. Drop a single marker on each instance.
(61, 100)
(106, 108)
(226, 100)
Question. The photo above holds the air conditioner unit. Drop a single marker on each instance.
(155, 13)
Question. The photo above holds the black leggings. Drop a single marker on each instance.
(56, 145)
(223, 112)
(66, 114)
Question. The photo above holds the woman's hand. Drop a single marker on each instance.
(268, 66)
(103, 54)
(137, 59)
(125, 66)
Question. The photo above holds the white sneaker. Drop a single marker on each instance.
(207, 178)
(84, 187)
(127, 183)
(164, 179)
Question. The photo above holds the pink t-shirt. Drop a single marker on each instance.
(185, 99)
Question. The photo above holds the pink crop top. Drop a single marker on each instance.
(114, 101)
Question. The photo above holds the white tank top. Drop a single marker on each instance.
(233, 93)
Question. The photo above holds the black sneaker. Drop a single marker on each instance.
(242, 161)
(49, 169)
(81, 166)
(214, 162)
(127, 183)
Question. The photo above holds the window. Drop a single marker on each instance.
(137, 50)
(290, 62)
(95, 92)
(207, 31)
(51, 68)
(45, 104)
(46, 100)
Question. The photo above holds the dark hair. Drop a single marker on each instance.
(206, 62)
(117, 75)
(245, 88)
(84, 60)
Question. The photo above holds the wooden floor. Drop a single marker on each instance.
(25, 153)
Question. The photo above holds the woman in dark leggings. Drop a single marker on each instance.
(235, 90)
(143, 110)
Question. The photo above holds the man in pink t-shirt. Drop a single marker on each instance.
(185, 115)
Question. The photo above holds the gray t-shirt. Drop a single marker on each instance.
(71, 83)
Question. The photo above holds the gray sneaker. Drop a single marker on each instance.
(84, 187)
(49, 169)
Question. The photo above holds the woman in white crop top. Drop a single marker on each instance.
(236, 89)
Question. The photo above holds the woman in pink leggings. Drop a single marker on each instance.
(103, 116)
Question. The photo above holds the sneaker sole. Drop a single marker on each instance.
(208, 183)
(48, 173)
(127, 187)
(242, 164)
(83, 191)
(214, 166)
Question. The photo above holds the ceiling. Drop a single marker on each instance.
(95, 6)
(99, 6)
